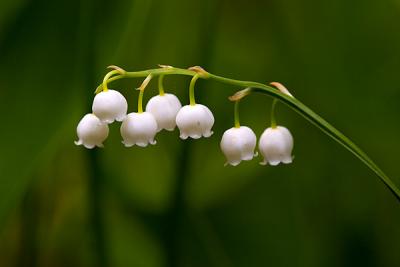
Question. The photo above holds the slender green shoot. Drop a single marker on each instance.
(236, 112)
(273, 106)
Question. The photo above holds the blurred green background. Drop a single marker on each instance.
(175, 204)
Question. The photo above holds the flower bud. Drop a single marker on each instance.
(110, 105)
(276, 146)
(91, 132)
(164, 109)
(238, 144)
(139, 129)
(194, 121)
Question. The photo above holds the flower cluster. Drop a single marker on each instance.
(275, 145)
(165, 112)
(108, 106)
(139, 128)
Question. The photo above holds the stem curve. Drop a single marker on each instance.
(191, 89)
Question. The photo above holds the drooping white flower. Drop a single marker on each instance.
(110, 105)
(194, 121)
(238, 144)
(164, 109)
(139, 129)
(276, 146)
(91, 132)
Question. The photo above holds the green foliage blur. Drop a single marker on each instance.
(175, 204)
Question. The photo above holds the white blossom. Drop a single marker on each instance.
(194, 121)
(276, 146)
(91, 132)
(110, 105)
(139, 129)
(238, 144)
(164, 109)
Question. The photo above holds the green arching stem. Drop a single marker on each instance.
(140, 101)
(145, 73)
(236, 112)
(160, 85)
(290, 101)
(192, 98)
(273, 120)
(107, 77)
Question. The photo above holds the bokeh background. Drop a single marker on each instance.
(175, 204)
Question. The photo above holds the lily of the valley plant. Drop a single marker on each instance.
(194, 120)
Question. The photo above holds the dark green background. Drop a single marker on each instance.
(175, 204)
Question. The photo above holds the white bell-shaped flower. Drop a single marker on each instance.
(91, 132)
(194, 121)
(238, 144)
(110, 105)
(276, 145)
(164, 109)
(139, 129)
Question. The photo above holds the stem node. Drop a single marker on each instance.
(119, 69)
(240, 94)
(281, 88)
(200, 71)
